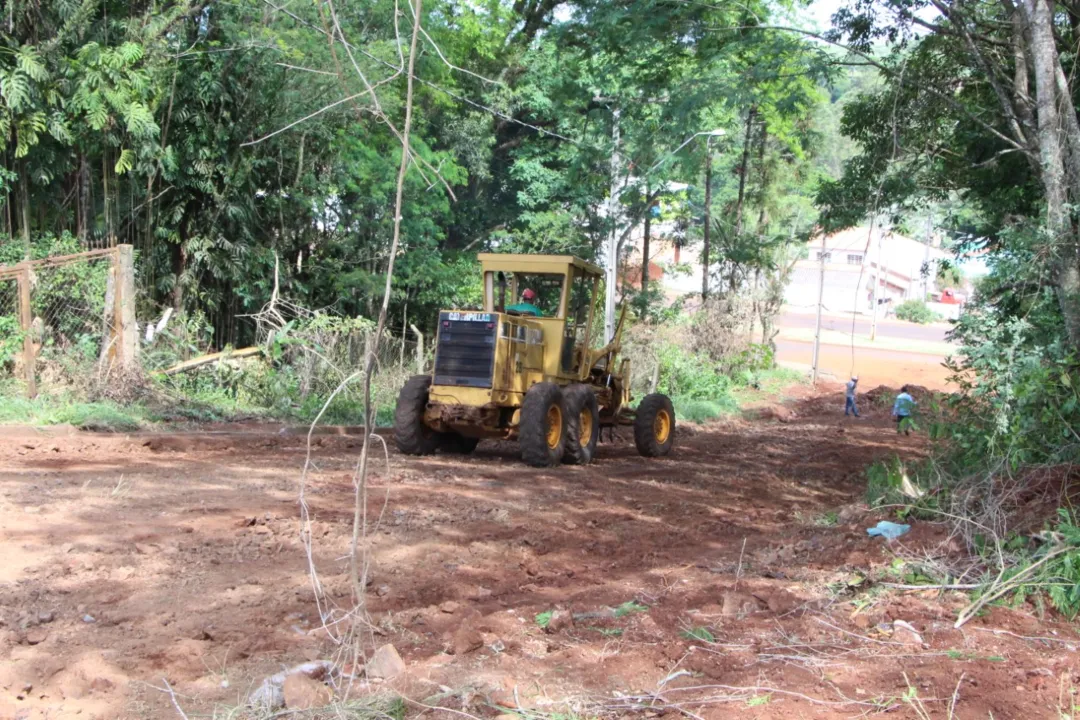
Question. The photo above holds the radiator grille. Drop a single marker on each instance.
(465, 354)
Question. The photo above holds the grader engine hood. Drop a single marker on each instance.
(465, 354)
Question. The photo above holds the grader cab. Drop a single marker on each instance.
(524, 369)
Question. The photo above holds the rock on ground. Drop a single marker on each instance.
(302, 693)
(386, 663)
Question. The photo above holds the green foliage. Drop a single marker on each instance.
(691, 376)
(544, 618)
(164, 126)
(968, 655)
(699, 633)
(916, 311)
(1061, 573)
(1016, 371)
(630, 607)
(702, 411)
(609, 632)
(11, 339)
(65, 410)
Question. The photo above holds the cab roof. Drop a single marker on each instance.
(523, 262)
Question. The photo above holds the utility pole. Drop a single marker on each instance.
(926, 256)
(708, 221)
(877, 283)
(612, 250)
(820, 302)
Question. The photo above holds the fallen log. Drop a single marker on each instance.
(211, 358)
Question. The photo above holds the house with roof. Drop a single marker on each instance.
(858, 260)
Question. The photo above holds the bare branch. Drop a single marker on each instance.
(452, 66)
(304, 119)
(360, 508)
(310, 70)
(886, 70)
(433, 86)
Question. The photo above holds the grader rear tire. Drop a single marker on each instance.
(542, 431)
(411, 435)
(582, 424)
(654, 426)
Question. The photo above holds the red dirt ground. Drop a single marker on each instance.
(131, 560)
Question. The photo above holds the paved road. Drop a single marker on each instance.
(873, 366)
(886, 328)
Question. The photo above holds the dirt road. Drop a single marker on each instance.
(726, 580)
(874, 367)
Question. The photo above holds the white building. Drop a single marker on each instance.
(856, 260)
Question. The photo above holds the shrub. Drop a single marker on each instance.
(699, 411)
(916, 311)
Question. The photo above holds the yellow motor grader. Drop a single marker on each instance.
(523, 369)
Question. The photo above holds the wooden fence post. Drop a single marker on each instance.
(26, 321)
(419, 350)
(126, 329)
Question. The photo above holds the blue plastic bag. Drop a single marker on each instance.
(888, 530)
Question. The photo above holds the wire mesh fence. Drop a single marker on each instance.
(60, 319)
(74, 316)
(11, 335)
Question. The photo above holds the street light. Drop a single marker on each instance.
(612, 254)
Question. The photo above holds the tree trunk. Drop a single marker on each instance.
(645, 245)
(743, 167)
(763, 190)
(1021, 74)
(24, 207)
(708, 223)
(1051, 154)
(179, 266)
(1071, 130)
(82, 214)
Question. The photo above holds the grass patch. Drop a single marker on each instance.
(50, 410)
(745, 386)
(778, 378)
(628, 608)
(698, 633)
(608, 632)
(700, 411)
(826, 519)
(965, 655)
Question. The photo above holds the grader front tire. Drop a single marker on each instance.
(582, 424)
(542, 432)
(411, 435)
(654, 426)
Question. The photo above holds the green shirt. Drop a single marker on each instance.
(524, 308)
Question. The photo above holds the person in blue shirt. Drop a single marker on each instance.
(849, 396)
(525, 307)
(902, 410)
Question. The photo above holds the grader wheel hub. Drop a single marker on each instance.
(554, 423)
(585, 426)
(662, 426)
